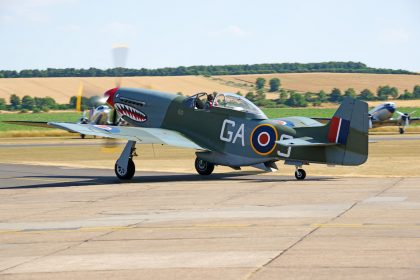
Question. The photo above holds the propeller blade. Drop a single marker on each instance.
(79, 98)
(119, 54)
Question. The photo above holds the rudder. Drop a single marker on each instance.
(349, 127)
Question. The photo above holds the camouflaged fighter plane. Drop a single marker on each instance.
(230, 130)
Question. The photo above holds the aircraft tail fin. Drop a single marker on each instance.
(349, 130)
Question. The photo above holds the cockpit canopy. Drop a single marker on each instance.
(228, 101)
(236, 102)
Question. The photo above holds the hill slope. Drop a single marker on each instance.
(61, 89)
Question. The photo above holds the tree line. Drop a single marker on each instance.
(286, 98)
(292, 98)
(45, 104)
(265, 68)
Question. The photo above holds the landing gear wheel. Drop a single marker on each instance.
(300, 174)
(125, 174)
(203, 167)
(401, 130)
(82, 136)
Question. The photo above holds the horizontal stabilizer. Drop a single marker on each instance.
(303, 142)
(322, 120)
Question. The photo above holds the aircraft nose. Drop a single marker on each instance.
(391, 107)
(110, 96)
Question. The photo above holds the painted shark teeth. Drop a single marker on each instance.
(130, 112)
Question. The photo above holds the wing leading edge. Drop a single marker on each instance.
(29, 123)
(140, 134)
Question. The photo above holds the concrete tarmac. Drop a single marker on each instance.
(70, 223)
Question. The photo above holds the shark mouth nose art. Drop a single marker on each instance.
(131, 112)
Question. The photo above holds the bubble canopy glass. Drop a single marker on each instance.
(238, 103)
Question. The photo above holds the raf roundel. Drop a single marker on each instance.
(263, 139)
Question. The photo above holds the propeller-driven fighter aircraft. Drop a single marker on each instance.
(226, 129)
(230, 130)
(382, 115)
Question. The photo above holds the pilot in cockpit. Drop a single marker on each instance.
(210, 100)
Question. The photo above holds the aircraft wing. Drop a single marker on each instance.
(376, 123)
(298, 121)
(142, 135)
(303, 142)
(389, 122)
(29, 123)
(393, 121)
(414, 120)
(35, 124)
(322, 120)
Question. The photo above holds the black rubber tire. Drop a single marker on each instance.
(401, 130)
(82, 136)
(129, 173)
(300, 174)
(203, 167)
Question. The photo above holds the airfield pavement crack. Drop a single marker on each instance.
(79, 202)
(64, 249)
(281, 253)
(391, 186)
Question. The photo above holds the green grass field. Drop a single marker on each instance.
(40, 117)
(74, 116)
(304, 112)
(319, 112)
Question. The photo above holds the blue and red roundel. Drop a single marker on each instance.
(263, 139)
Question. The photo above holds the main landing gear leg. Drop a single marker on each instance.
(124, 167)
(300, 174)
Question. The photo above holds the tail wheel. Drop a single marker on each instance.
(401, 130)
(203, 167)
(300, 174)
(125, 174)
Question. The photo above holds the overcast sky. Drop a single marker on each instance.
(80, 34)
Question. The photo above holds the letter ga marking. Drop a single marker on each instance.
(263, 139)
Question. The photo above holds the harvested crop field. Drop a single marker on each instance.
(315, 82)
(61, 89)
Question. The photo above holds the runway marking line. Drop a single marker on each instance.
(365, 225)
(105, 228)
(9, 231)
(212, 226)
(337, 225)
(44, 180)
(222, 225)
